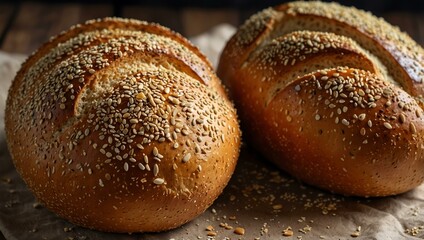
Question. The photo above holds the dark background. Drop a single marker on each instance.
(371, 5)
(24, 25)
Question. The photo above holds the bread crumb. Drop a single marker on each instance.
(209, 228)
(288, 232)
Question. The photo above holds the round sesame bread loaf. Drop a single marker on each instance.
(332, 95)
(121, 125)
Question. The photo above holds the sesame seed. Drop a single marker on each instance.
(402, 118)
(288, 232)
(126, 166)
(363, 131)
(107, 176)
(155, 151)
(133, 120)
(317, 117)
(418, 113)
(101, 183)
(140, 96)
(387, 125)
(199, 121)
(362, 116)
(155, 170)
(158, 181)
(345, 122)
(141, 166)
(91, 71)
(297, 88)
(174, 100)
(187, 157)
(369, 123)
(239, 231)
(185, 132)
(412, 128)
(62, 106)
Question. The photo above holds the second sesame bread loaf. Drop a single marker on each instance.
(332, 95)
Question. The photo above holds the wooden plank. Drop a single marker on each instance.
(37, 22)
(167, 17)
(419, 18)
(197, 20)
(406, 21)
(6, 12)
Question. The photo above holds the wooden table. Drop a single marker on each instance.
(26, 25)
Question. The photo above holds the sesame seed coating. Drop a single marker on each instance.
(105, 106)
(317, 82)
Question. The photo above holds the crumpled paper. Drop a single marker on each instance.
(265, 202)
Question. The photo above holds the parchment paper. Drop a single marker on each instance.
(260, 199)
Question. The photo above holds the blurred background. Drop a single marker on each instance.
(24, 25)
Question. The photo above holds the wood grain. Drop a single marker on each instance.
(406, 21)
(36, 23)
(165, 16)
(6, 12)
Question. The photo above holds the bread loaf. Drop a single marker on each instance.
(332, 95)
(121, 125)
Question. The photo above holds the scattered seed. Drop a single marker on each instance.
(239, 231)
(210, 228)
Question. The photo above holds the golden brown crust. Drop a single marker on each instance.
(335, 95)
(121, 125)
